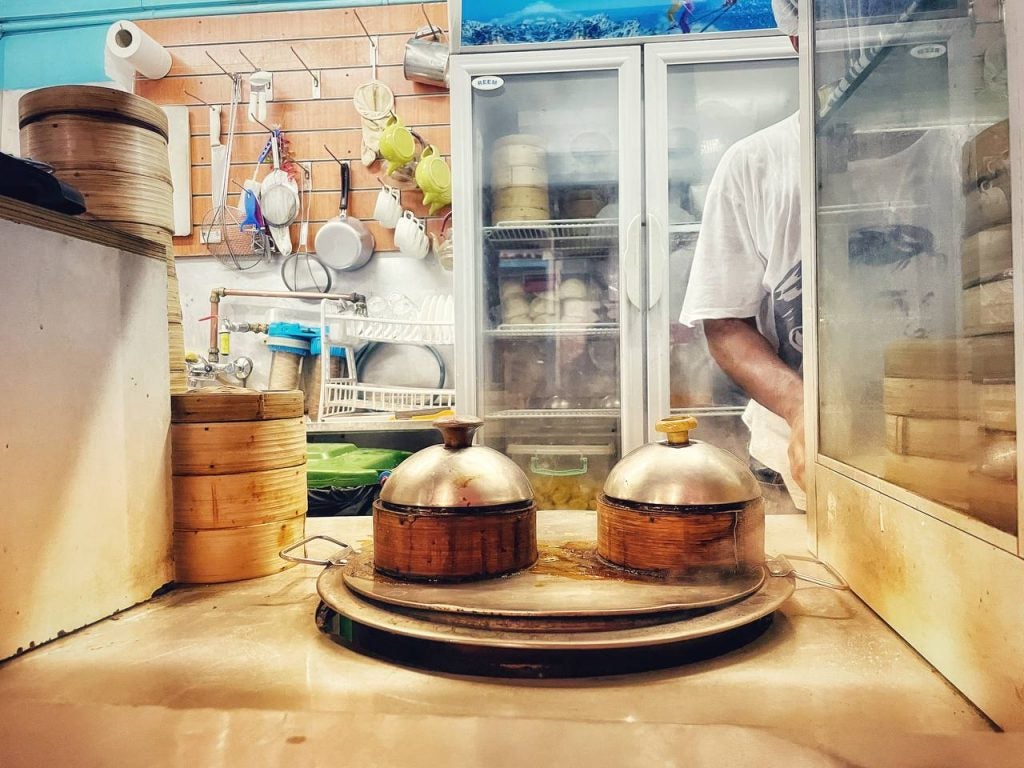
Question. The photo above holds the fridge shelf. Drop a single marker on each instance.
(557, 413)
(523, 330)
(567, 236)
(343, 397)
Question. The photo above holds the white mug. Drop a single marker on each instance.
(411, 236)
(388, 209)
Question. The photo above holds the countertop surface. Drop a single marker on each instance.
(238, 674)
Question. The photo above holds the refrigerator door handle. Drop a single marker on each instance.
(658, 238)
(631, 262)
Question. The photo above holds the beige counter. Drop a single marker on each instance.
(239, 675)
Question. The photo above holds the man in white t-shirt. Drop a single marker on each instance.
(746, 284)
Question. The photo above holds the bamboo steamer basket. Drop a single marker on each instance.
(520, 214)
(988, 205)
(74, 142)
(929, 398)
(230, 554)
(928, 359)
(238, 459)
(521, 197)
(243, 499)
(992, 358)
(519, 176)
(217, 448)
(681, 509)
(110, 145)
(987, 154)
(115, 197)
(987, 255)
(997, 407)
(235, 404)
(455, 512)
(988, 308)
(94, 101)
(954, 439)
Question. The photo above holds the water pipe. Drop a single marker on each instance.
(357, 299)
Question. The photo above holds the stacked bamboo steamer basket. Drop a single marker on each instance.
(239, 476)
(519, 179)
(112, 147)
(950, 403)
(951, 423)
(987, 273)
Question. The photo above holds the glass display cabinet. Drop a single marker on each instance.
(915, 317)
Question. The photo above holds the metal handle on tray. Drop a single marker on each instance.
(340, 558)
(779, 565)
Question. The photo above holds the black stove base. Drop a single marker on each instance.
(463, 659)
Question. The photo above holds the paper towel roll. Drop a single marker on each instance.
(131, 50)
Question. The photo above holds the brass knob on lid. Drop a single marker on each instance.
(458, 431)
(677, 428)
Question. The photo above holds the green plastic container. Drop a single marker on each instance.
(320, 451)
(343, 465)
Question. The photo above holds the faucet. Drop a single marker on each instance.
(201, 370)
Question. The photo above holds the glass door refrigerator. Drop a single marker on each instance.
(548, 161)
(701, 97)
(571, 266)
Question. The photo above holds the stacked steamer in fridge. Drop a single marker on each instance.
(987, 261)
(519, 180)
(112, 147)
(949, 403)
(239, 466)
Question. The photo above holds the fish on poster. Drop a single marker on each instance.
(511, 22)
(502, 22)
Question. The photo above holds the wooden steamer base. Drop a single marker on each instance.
(682, 542)
(567, 615)
(453, 545)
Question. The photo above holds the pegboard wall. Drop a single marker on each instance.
(330, 42)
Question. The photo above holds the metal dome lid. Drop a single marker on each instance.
(681, 472)
(457, 473)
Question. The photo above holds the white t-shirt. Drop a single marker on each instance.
(747, 262)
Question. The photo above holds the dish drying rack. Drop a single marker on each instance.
(347, 396)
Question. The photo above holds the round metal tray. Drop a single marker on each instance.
(677, 627)
(568, 580)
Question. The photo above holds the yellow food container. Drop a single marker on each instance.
(564, 476)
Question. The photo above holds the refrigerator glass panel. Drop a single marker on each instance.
(915, 285)
(710, 107)
(548, 158)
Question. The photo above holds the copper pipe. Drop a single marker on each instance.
(218, 293)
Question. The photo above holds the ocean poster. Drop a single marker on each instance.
(512, 22)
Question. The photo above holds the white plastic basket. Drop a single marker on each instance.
(343, 397)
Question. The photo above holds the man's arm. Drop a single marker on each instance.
(749, 360)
